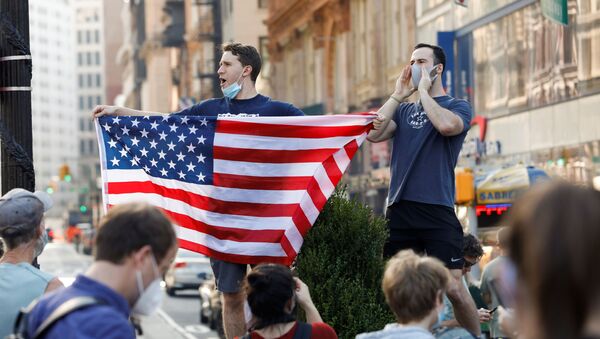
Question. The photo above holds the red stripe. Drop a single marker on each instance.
(317, 196)
(205, 203)
(226, 233)
(272, 156)
(288, 131)
(234, 258)
(301, 222)
(260, 183)
(287, 247)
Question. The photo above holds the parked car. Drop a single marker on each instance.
(211, 311)
(86, 234)
(184, 271)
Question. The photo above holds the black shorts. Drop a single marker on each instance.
(426, 229)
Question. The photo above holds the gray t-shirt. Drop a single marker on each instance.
(397, 331)
(423, 160)
(489, 279)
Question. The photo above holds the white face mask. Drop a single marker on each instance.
(150, 298)
(40, 243)
(416, 74)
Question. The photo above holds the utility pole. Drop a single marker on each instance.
(15, 97)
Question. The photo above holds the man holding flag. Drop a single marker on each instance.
(240, 190)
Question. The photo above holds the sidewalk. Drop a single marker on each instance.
(160, 326)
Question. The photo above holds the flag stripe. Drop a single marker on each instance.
(275, 143)
(262, 169)
(287, 131)
(314, 120)
(197, 247)
(206, 203)
(260, 183)
(211, 218)
(272, 156)
(273, 191)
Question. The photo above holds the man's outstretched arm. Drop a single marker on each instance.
(102, 110)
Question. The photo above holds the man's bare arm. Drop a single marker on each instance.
(102, 110)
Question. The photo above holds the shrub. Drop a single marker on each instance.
(341, 262)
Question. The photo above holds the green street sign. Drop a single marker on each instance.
(556, 10)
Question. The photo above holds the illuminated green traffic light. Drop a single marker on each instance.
(83, 208)
(49, 190)
(68, 178)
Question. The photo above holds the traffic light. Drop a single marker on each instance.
(64, 173)
(83, 209)
(465, 186)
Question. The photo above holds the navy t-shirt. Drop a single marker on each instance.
(110, 319)
(260, 104)
(423, 160)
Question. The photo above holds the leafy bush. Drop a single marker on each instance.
(341, 262)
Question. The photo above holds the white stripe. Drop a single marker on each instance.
(265, 170)
(295, 238)
(211, 218)
(324, 182)
(310, 210)
(318, 120)
(278, 143)
(219, 193)
(230, 246)
(341, 159)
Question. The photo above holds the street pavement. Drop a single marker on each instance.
(184, 310)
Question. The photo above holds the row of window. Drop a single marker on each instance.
(88, 36)
(89, 102)
(90, 80)
(88, 58)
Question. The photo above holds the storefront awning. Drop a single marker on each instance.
(504, 185)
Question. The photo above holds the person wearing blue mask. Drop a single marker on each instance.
(238, 70)
(427, 138)
(135, 246)
(24, 236)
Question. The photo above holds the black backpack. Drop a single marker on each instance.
(73, 304)
(303, 331)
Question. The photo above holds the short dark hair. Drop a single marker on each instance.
(269, 287)
(472, 246)
(439, 56)
(247, 54)
(127, 228)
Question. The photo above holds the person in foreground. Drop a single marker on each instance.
(22, 230)
(134, 248)
(554, 246)
(414, 287)
(272, 294)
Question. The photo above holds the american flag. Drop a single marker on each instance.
(239, 189)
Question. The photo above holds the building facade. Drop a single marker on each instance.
(343, 56)
(53, 104)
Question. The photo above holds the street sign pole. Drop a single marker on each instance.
(15, 97)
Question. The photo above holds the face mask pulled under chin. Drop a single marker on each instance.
(232, 90)
(150, 298)
(416, 74)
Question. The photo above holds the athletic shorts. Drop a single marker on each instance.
(428, 229)
(228, 276)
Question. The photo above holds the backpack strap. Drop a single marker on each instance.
(303, 331)
(62, 310)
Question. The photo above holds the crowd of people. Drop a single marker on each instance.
(542, 285)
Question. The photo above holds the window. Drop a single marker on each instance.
(89, 80)
(98, 100)
(81, 80)
(88, 37)
(524, 60)
(98, 80)
(81, 103)
(97, 57)
(89, 58)
(90, 101)
(79, 59)
(97, 36)
(79, 37)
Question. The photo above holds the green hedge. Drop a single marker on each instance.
(341, 262)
